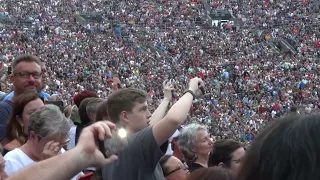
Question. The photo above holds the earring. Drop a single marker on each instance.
(22, 129)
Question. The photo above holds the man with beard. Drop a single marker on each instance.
(44, 83)
(26, 76)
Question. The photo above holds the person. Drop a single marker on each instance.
(287, 149)
(102, 111)
(79, 97)
(195, 145)
(48, 129)
(92, 107)
(84, 117)
(3, 174)
(42, 93)
(17, 129)
(228, 154)
(129, 109)
(26, 76)
(68, 164)
(212, 173)
(173, 168)
(74, 116)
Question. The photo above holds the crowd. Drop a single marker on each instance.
(145, 43)
(159, 47)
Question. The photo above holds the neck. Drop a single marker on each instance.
(202, 160)
(27, 148)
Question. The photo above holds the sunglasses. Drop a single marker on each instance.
(183, 167)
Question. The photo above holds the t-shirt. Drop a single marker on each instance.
(42, 94)
(16, 160)
(194, 166)
(5, 111)
(139, 160)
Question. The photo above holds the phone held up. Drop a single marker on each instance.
(117, 143)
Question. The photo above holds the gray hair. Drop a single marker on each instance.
(49, 122)
(187, 140)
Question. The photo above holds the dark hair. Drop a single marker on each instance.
(211, 173)
(93, 104)
(102, 111)
(222, 152)
(124, 100)
(83, 95)
(14, 129)
(84, 118)
(162, 162)
(288, 149)
(25, 57)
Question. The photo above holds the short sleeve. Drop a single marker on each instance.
(148, 147)
(12, 166)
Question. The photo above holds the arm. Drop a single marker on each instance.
(68, 164)
(164, 129)
(159, 113)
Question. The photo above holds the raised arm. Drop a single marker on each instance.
(68, 164)
(165, 128)
(159, 113)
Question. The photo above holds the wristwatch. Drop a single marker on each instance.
(191, 92)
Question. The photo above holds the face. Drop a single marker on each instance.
(29, 108)
(3, 174)
(27, 77)
(176, 169)
(237, 156)
(138, 119)
(44, 74)
(203, 144)
(39, 143)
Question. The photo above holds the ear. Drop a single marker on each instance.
(221, 164)
(33, 137)
(124, 117)
(19, 120)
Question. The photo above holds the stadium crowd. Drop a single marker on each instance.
(141, 44)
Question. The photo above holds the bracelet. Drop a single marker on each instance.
(192, 93)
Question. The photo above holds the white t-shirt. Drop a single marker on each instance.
(16, 160)
(72, 136)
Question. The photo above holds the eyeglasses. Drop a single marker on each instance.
(183, 167)
(26, 75)
(62, 144)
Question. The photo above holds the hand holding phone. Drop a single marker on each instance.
(117, 143)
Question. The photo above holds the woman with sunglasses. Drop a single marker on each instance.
(47, 133)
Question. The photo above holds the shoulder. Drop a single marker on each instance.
(5, 105)
(12, 154)
(45, 95)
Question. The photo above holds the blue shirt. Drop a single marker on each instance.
(5, 111)
(42, 94)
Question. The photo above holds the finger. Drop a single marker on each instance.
(110, 159)
(102, 129)
(54, 145)
(48, 144)
(56, 149)
(165, 82)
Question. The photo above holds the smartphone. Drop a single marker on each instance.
(117, 143)
(88, 176)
